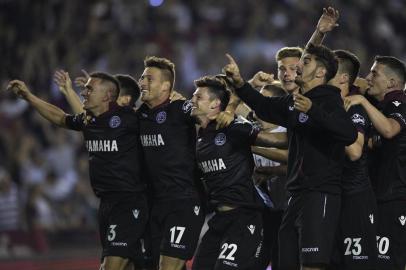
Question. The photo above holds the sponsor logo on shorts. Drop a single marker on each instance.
(402, 220)
(196, 210)
(258, 251)
(178, 246)
(136, 212)
(310, 249)
(251, 228)
(119, 244)
(384, 257)
(371, 218)
(230, 263)
(360, 257)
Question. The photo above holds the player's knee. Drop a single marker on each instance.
(313, 267)
(115, 263)
(170, 263)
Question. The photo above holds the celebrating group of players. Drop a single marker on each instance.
(160, 168)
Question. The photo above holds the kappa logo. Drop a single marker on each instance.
(161, 117)
(371, 218)
(251, 228)
(303, 117)
(220, 139)
(402, 220)
(115, 121)
(187, 106)
(144, 115)
(396, 103)
(136, 212)
(291, 108)
(196, 210)
(358, 119)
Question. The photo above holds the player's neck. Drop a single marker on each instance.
(100, 109)
(344, 90)
(307, 86)
(157, 102)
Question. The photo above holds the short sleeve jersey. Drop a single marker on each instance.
(168, 137)
(114, 150)
(225, 159)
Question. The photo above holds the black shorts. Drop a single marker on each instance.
(175, 228)
(308, 230)
(121, 225)
(391, 236)
(357, 232)
(234, 241)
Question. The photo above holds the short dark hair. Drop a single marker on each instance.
(217, 89)
(109, 78)
(394, 64)
(326, 57)
(276, 90)
(165, 65)
(348, 63)
(289, 52)
(128, 86)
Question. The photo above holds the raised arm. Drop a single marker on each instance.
(50, 112)
(326, 23)
(62, 79)
(273, 110)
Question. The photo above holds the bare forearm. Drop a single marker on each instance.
(280, 170)
(268, 139)
(74, 101)
(233, 103)
(316, 39)
(385, 126)
(50, 112)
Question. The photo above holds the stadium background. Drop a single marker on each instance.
(47, 209)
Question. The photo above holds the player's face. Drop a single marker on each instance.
(377, 80)
(151, 84)
(201, 103)
(287, 73)
(94, 94)
(306, 69)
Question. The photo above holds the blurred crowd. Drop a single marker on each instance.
(43, 171)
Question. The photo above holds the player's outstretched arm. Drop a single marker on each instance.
(62, 79)
(326, 23)
(50, 112)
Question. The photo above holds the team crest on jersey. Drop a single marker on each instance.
(358, 119)
(115, 121)
(187, 106)
(303, 117)
(220, 139)
(161, 117)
